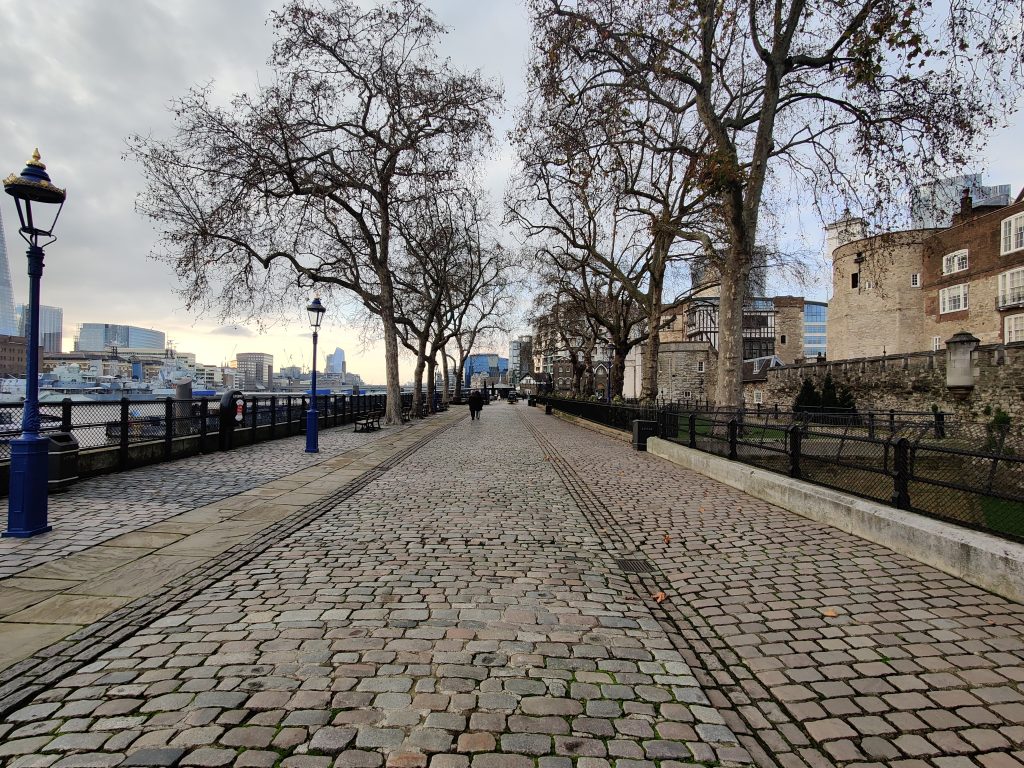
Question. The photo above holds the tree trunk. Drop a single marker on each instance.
(447, 392)
(729, 373)
(459, 373)
(431, 381)
(617, 373)
(393, 410)
(649, 388)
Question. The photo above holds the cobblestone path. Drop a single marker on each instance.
(98, 509)
(818, 647)
(487, 600)
(457, 610)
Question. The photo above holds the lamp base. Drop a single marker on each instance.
(27, 505)
(312, 441)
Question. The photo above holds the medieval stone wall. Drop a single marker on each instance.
(915, 382)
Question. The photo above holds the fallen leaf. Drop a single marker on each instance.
(830, 612)
(660, 597)
(667, 538)
(701, 509)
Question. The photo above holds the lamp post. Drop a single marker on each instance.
(316, 313)
(27, 502)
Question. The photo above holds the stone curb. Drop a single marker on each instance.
(618, 434)
(978, 558)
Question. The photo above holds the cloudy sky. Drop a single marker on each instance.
(81, 75)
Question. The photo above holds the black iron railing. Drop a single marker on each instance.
(966, 472)
(122, 424)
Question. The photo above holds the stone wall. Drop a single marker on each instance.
(789, 328)
(915, 382)
(679, 374)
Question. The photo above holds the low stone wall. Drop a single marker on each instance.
(915, 382)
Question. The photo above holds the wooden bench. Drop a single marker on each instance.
(368, 422)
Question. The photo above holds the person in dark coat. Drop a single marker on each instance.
(476, 404)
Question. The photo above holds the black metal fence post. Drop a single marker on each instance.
(288, 415)
(65, 415)
(273, 416)
(204, 422)
(168, 426)
(892, 420)
(734, 431)
(122, 454)
(255, 420)
(871, 425)
(901, 474)
(302, 414)
(693, 429)
(795, 436)
(940, 425)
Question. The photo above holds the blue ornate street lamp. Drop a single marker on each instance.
(316, 313)
(27, 500)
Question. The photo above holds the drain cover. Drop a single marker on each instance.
(635, 566)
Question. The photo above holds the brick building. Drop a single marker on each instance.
(13, 356)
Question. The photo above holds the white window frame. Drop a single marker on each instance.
(936, 343)
(915, 280)
(1011, 287)
(758, 397)
(687, 394)
(957, 261)
(1012, 234)
(946, 295)
(700, 366)
(1013, 328)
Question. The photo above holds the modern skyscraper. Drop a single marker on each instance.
(932, 205)
(8, 321)
(51, 326)
(336, 361)
(257, 368)
(96, 337)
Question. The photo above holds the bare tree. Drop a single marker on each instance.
(614, 181)
(853, 98)
(304, 177)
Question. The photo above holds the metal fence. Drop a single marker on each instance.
(966, 472)
(126, 423)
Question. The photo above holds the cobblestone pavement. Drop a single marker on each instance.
(471, 606)
(825, 647)
(458, 610)
(98, 509)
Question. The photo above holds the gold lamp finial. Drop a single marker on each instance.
(36, 159)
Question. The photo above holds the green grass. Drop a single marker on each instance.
(1003, 516)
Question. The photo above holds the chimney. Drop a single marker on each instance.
(966, 204)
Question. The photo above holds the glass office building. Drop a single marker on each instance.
(51, 327)
(815, 324)
(97, 337)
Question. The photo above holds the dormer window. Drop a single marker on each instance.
(954, 262)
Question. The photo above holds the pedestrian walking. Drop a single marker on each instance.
(476, 404)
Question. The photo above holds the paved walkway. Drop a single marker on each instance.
(486, 594)
(110, 505)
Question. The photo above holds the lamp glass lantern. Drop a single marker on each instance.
(315, 310)
(33, 185)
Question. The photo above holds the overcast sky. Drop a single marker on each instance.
(81, 75)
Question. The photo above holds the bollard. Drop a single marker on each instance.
(795, 436)
(901, 476)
